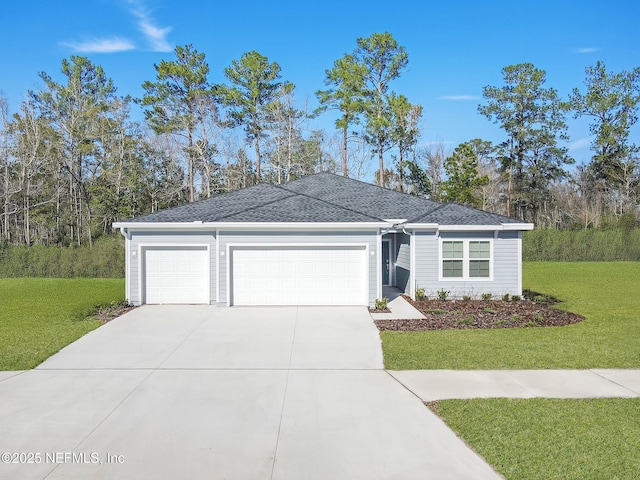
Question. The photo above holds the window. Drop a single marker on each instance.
(479, 259)
(466, 259)
(452, 259)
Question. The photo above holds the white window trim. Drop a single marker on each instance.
(465, 260)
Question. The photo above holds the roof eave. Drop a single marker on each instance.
(518, 226)
(486, 228)
(249, 225)
(421, 226)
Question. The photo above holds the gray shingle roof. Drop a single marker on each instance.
(299, 208)
(454, 214)
(215, 208)
(323, 197)
(363, 197)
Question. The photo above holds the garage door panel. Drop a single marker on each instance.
(176, 275)
(299, 276)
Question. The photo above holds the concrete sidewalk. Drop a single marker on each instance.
(430, 385)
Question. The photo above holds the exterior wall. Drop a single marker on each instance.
(403, 261)
(230, 238)
(423, 246)
(506, 258)
(140, 239)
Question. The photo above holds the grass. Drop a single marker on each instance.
(551, 438)
(606, 293)
(39, 316)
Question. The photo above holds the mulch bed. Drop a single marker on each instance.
(474, 314)
(107, 313)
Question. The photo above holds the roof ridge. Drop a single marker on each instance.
(200, 200)
(292, 194)
(328, 202)
(356, 180)
(437, 207)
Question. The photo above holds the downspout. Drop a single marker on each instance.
(127, 262)
(412, 281)
(217, 265)
(378, 265)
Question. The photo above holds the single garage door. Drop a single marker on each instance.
(176, 275)
(299, 276)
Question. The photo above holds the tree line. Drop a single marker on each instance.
(73, 159)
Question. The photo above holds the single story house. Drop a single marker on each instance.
(320, 240)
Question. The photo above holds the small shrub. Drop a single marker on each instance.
(538, 318)
(540, 299)
(466, 320)
(515, 318)
(490, 310)
(443, 294)
(466, 298)
(505, 297)
(515, 298)
(501, 322)
(486, 296)
(531, 323)
(382, 303)
(420, 294)
(435, 311)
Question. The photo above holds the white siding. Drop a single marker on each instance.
(506, 265)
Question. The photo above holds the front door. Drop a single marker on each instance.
(385, 262)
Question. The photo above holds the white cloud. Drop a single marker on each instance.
(579, 144)
(155, 35)
(587, 50)
(101, 45)
(459, 97)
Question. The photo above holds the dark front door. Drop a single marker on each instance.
(385, 263)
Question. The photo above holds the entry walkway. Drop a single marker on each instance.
(431, 385)
(400, 308)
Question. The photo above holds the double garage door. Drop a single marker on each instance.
(318, 275)
(298, 276)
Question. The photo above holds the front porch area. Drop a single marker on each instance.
(396, 261)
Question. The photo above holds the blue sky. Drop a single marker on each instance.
(455, 48)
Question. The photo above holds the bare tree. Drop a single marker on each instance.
(433, 156)
(4, 168)
(33, 149)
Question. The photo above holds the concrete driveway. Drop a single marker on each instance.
(224, 393)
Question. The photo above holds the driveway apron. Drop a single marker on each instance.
(225, 393)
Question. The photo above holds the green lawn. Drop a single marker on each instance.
(551, 438)
(606, 293)
(546, 438)
(39, 316)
